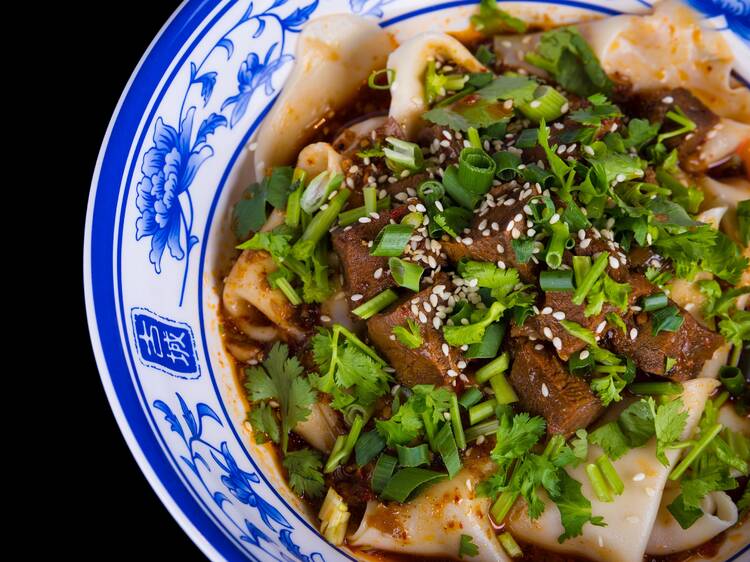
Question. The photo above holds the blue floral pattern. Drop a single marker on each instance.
(171, 164)
(372, 8)
(735, 12)
(239, 483)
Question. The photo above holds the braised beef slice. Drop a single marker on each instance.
(561, 301)
(448, 146)
(356, 262)
(569, 403)
(426, 364)
(652, 106)
(392, 189)
(485, 248)
(691, 346)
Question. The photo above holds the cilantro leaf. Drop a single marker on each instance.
(685, 515)
(608, 388)
(557, 165)
(276, 244)
(611, 439)
(640, 133)
(669, 422)
(510, 86)
(523, 248)
(491, 20)
(489, 275)
(566, 55)
(280, 379)
(401, 428)
(594, 114)
(736, 328)
(575, 509)
(264, 423)
(280, 186)
(409, 335)
(250, 212)
(467, 546)
(637, 423)
(473, 333)
(305, 476)
(515, 438)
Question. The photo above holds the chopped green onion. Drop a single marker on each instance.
(490, 344)
(320, 187)
(382, 472)
(413, 456)
(414, 219)
(405, 273)
(506, 165)
(319, 225)
(498, 365)
(351, 216)
(598, 483)
(558, 280)
(488, 427)
(510, 545)
(334, 517)
(293, 208)
(581, 367)
(445, 446)
(667, 319)
(474, 139)
(706, 437)
(654, 302)
(344, 446)
(528, 138)
(476, 170)
(368, 446)
(376, 304)
(482, 411)
(437, 84)
(390, 76)
(581, 266)
(556, 246)
(458, 191)
(610, 474)
(370, 195)
(391, 240)
(656, 388)
(504, 393)
(406, 481)
(733, 380)
(471, 396)
(591, 277)
(461, 311)
(403, 155)
(458, 428)
(502, 506)
(410, 336)
(547, 104)
(289, 292)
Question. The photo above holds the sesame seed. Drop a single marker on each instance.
(614, 263)
(588, 150)
(620, 178)
(561, 149)
(422, 318)
(356, 297)
(584, 354)
(509, 202)
(515, 233)
(446, 349)
(414, 309)
(378, 273)
(468, 241)
(461, 364)
(436, 322)
(535, 104)
(601, 326)
(554, 218)
(557, 342)
(452, 373)
(633, 333)
(650, 492)
(638, 477)
(559, 315)
(667, 99)
(325, 318)
(600, 540)
(510, 226)
(547, 310)
(545, 390)
(585, 243)
(547, 333)
(365, 219)
(531, 232)
(495, 226)
(539, 347)
(582, 234)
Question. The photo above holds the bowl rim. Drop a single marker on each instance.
(100, 301)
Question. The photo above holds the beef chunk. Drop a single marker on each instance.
(443, 143)
(546, 388)
(489, 233)
(547, 324)
(654, 106)
(359, 267)
(691, 346)
(426, 364)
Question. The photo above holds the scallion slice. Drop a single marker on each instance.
(319, 225)
(319, 189)
(598, 483)
(344, 446)
(370, 195)
(376, 304)
(556, 246)
(368, 446)
(413, 219)
(504, 393)
(445, 446)
(733, 380)
(581, 266)
(490, 344)
(476, 170)
(403, 155)
(482, 411)
(547, 104)
(654, 302)
(558, 280)
(351, 216)
(391, 240)
(458, 428)
(462, 195)
(382, 472)
(498, 365)
(474, 139)
(610, 474)
(707, 436)
(471, 396)
(289, 292)
(506, 165)
(293, 208)
(405, 273)
(413, 456)
(485, 428)
(390, 76)
(407, 480)
(502, 505)
(661, 388)
(510, 545)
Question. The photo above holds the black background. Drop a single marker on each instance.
(122, 518)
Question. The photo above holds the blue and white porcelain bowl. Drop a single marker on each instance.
(176, 156)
